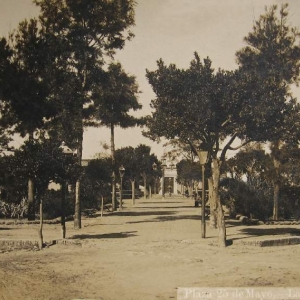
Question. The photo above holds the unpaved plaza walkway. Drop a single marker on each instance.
(144, 252)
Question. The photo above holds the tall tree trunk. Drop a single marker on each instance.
(221, 225)
(77, 214)
(133, 191)
(30, 191)
(203, 222)
(276, 200)
(63, 209)
(31, 202)
(212, 204)
(40, 231)
(276, 184)
(145, 185)
(217, 201)
(113, 183)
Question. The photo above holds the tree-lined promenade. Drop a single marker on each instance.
(57, 78)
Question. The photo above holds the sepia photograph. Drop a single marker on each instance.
(149, 149)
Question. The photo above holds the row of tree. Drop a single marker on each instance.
(248, 180)
(54, 167)
(223, 110)
(56, 78)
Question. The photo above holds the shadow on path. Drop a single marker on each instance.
(233, 223)
(158, 202)
(271, 231)
(166, 207)
(167, 218)
(116, 235)
(144, 213)
(267, 231)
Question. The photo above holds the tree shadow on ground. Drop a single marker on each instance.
(143, 213)
(116, 235)
(271, 231)
(90, 213)
(233, 223)
(2, 228)
(92, 216)
(163, 202)
(165, 207)
(267, 231)
(167, 219)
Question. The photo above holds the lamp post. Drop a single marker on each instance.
(203, 158)
(163, 165)
(113, 192)
(121, 171)
(67, 152)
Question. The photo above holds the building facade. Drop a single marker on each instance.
(169, 182)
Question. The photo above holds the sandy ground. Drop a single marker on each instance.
(144, 252)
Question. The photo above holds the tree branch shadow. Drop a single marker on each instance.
(255, 232)
(166, 207)
(271, 231)
(167, 219)
(143, 213)
(115, 235)
(163, 202)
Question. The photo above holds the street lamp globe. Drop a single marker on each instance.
(122, 171)
(202, 156)
(65, 149)
(154, 166)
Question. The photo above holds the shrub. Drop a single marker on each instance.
(13, 210)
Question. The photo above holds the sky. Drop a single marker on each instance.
(172, 30)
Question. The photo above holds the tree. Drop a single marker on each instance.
(96, 182)
(145, 165)
(250, 186)
(188, 172)
(80, 35)
(113, 102)
(127, 157)
(5, 57)
(27, 105)
(273, 53)
(138, 163)
(188, 107)
(247, 190)
(34, 159)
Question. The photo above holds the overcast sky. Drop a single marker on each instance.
(172, 30)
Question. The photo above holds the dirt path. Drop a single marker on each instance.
(143, 252)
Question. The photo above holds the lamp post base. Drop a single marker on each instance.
(63, 231)
(203, 230)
